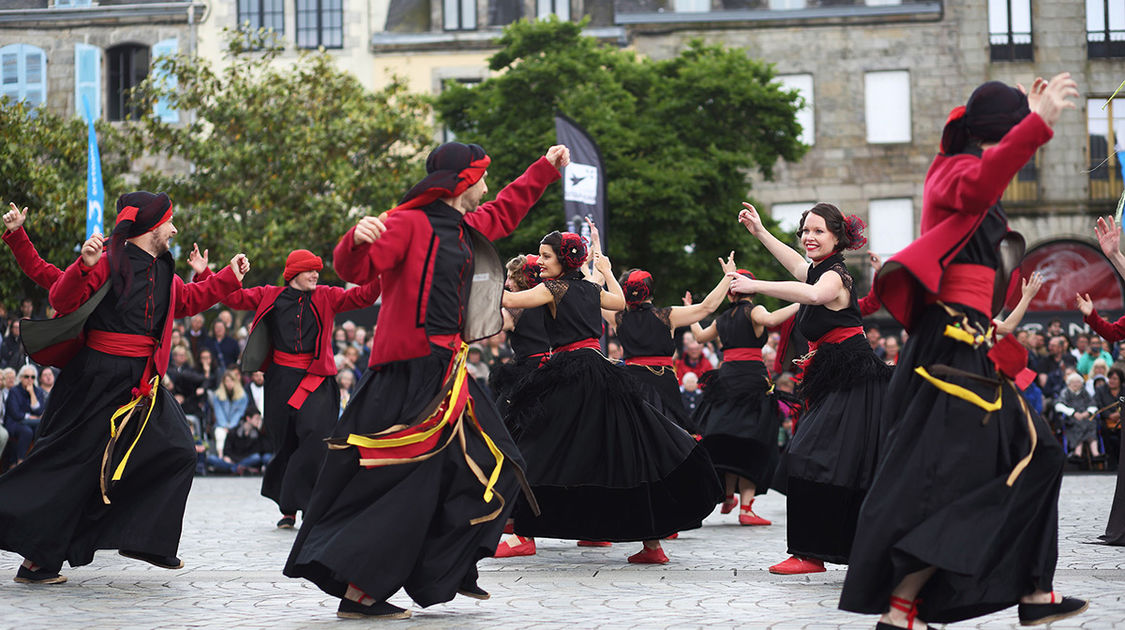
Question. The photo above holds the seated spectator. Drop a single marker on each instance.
(186, 383)
(47, 383)
(345, 379)
(1108, 398)
(1077, 409)
(223, 348)
(692, 359)
(339, 341)
(1034, 396)
(769, 357)
(349, 360)
(22, 412)
(228, 403)
(497, 350)
(1099, 372)
(1095, 349)
(690, 394)
(614, 352)
(1054, 366)
(362, 343)
(875, 338)
(890, 349)
(257, 393)
(476, 366)
(12, 354)
(246, 448)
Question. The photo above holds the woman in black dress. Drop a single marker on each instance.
(739, 416)
(646, 335)
(831, 458)
(604, 464)
(527, 333)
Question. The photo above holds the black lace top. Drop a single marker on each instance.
(147, 304)
(529, 336)
(578, 312)
(815, 321)
(293, 323)
(453, 270)
(645, 331)
(736, 329)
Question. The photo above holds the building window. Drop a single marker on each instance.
(546, 8)
(803, 84)
(504, 12)
(166, 48)
(788, 215)
(266, 14)
(127, 67)
(1009, 30)
(87, 80)
(459, 15)
(689, 6)
(23, 74)
(787, 5)
(71, 3)
(1025, 185)
(890, 225)
(887, 98)
(320, 23)
(1105, 28)
(1105, 164)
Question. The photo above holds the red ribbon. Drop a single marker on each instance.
(585, 343)
(742, 354)
(650, 361)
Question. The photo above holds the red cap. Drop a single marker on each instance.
(301, 260)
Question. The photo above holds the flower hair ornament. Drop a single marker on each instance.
(637, 287)
(529, 271)
(573, 251)
(741, 272)
(854, 227)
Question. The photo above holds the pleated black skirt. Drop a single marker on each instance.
(603, 462)
(409, 525)
(739, 419)
(662, 390)
(941, 495)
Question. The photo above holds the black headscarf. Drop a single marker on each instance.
(137, 213)
(451, 169)
(993, 109)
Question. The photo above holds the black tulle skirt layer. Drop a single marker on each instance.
(51, 507)
(831, 459)
(603, 462)
(662, 390)
(409, 525)
(941, 496)
(505, 378)
(297, 436)
(739, 420)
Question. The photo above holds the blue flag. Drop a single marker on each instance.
(95, 193)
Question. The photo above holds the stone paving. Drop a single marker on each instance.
(717, 578)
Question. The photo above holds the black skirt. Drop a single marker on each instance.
(941, 496)
(662, 390)
(831, 459)
(407, 525)
(505, 378)
(51, 507)
(605, 464)
(1115, 528)
(739, 419)
(297, 436)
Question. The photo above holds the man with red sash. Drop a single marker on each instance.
(114, 459)
(291, 340)
(421, 473)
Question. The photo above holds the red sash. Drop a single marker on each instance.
(120, 344)
(742, 354)
(836, 335)
(451, 341)
(969, 285)
(650, 361)
(591, 343)
(308, 384)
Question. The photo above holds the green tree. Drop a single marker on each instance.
(282, 156)
(43, 168)
(678, 137)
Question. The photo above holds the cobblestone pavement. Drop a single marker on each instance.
(717, 578)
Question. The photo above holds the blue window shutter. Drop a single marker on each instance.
(165, 48)
(88, 79)
(23, 73)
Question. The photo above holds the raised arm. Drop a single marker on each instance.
(613, 298)
(498, 218)
(356, 297)
(197, 297)
(245, 299)
(703, 335)
(530, 298)
(789, 258)
(1109, 331)
(763, 317)
(870, 303)
(689, 314)
(827, 291)
(1029, 287)
(1108, 232)
(372, 246)
(82, 278)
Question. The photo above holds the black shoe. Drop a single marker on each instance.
(287, 522)
(39, 576)
(472, 590)
(1035, 614)
(164, 562)
(379, 610)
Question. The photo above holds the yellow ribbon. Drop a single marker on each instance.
(497, 454)
(960, 392)
(154, 384)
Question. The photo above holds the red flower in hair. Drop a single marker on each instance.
(573, 252)
(637, 287)
(854, 227)
(530, 271)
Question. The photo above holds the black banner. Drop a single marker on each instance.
(584, 182)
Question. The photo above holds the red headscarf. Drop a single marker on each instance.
(451, 169)
(137, 213)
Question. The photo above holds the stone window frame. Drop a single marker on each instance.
(1009, 44)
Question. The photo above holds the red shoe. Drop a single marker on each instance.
(510, 528)
(594, 543)
(748, 517)
(728, 504)
(673, 536)
(798, 566)
(654, 555)
(526, 547)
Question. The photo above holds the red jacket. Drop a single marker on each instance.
(79, 282)
(1109, 332)
(959, 191)
(31, 263)
(403, 256)
(326, 302)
